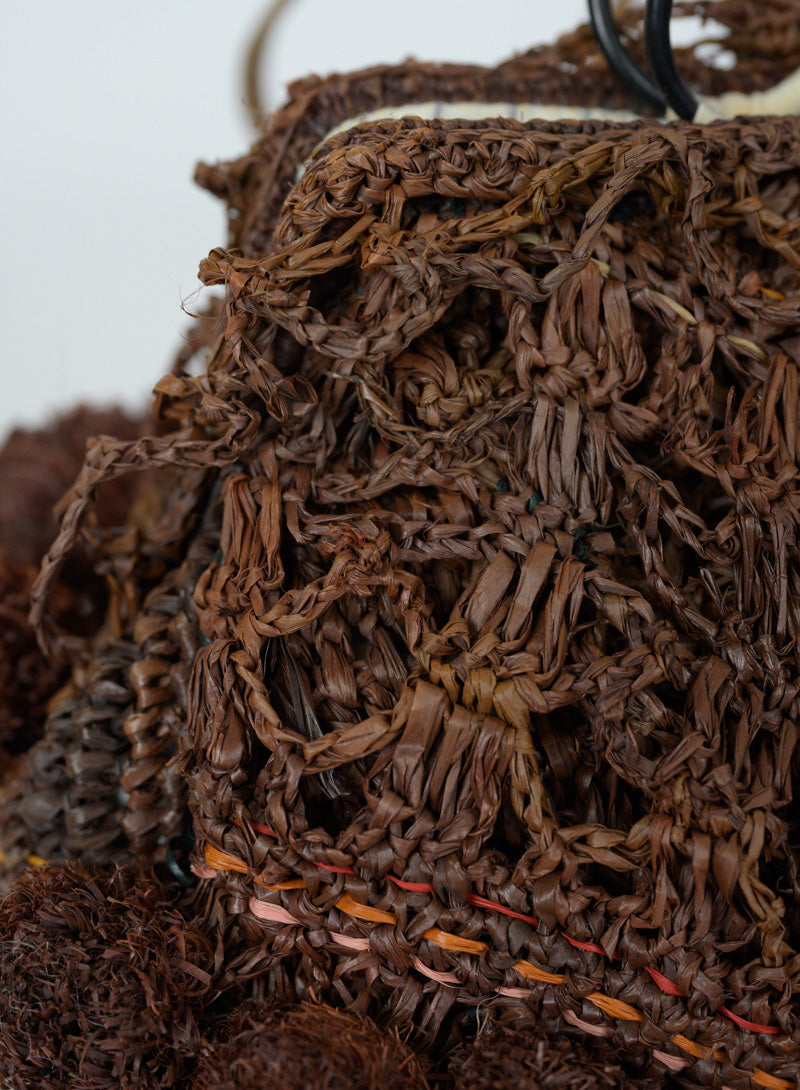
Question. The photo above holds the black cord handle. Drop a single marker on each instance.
(182, 845)
(662, 60)
(608, 38)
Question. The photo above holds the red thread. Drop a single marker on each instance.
(663, 982)
(493, 906)
(754, 1027)
(411, 887)
(265, 829)
(591, 947)
(335, 870)
(259, 828)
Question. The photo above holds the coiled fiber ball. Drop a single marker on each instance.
(275, 1046)
(525, 1060)
(97, 977)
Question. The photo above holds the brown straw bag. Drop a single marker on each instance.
(477, 627)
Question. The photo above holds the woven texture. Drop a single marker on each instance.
(474, 616)
(91, 780)
(542, 519)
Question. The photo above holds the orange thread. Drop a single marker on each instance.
(216, 859)
(292, 883)
(222, 861)
(698, 1051)
(771, 1082)
(533, 972)
(364, 912)
(615, 1008)
(32, 860)
(455, 943)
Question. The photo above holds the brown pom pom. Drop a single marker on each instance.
(534, 1060)
(275, 1046)
(97, 974)
(27, 679)
(37, 466)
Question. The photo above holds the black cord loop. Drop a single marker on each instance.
(657, 16)
(608, 38)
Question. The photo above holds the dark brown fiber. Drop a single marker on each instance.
(36, 467)
(462, 611)
(535, 1061)
(279, 1046)
(98, 975)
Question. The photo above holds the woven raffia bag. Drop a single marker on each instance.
(464, 621)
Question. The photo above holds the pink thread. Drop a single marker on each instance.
(266, 911)
(440, 978)
(674, 1063)
(352, 942)
(588, 1027)
(664, 983)
(515, 993)
(202, 871)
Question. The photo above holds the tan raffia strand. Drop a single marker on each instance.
(494, 696)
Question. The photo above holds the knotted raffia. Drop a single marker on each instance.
(495, 701)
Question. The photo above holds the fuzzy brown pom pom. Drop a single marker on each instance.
(274, 1046)
(536, 1060)
(97, 974)
(37, 466)
(27, 679)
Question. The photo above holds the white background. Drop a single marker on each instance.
(106, 106)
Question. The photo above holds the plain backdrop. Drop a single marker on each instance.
(105, 107)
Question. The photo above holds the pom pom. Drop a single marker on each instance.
(97, 977)
(38, 466)
(535, 1060)
(27, 678)
(274, 1046)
